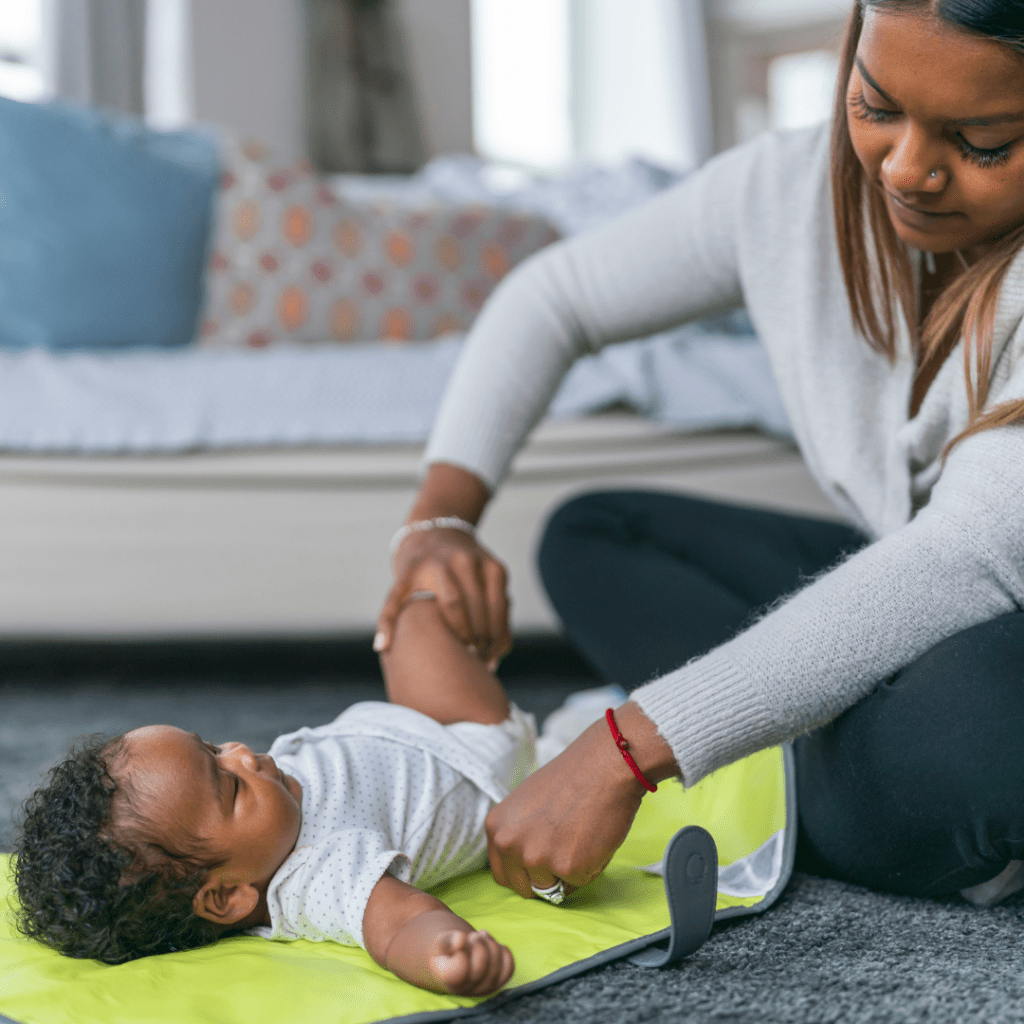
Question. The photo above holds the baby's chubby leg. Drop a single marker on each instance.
(414, 935)
(427, 668)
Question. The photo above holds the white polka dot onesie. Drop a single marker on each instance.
(385, 788)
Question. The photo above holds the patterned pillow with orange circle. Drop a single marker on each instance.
(290, 261)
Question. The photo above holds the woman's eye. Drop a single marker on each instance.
(983, 157)
(876, 115)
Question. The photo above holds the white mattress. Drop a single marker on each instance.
(194, 399)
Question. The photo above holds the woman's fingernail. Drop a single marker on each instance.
(378, 642)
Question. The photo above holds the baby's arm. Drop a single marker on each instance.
(414, 935)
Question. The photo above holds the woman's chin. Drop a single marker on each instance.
(925, 241)
(925, 231)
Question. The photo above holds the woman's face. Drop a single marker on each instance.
(936, 118)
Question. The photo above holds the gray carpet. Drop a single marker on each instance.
(826, 952)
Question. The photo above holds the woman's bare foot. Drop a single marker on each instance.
(470, 963)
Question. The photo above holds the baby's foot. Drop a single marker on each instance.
(470, 963)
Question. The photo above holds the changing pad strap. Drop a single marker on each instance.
(691, 886)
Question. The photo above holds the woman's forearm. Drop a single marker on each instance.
(672, 260)
(449, 490)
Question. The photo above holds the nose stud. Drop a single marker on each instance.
(933, 174)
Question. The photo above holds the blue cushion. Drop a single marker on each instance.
(104, 226)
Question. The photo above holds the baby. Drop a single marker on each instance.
(157, 840)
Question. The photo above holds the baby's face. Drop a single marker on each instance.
(244, 807)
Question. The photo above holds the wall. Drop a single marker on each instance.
(247, 68)
(744, 38)
(640, 81)
(246, 72)
(437, 35)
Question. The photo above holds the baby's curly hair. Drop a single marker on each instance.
(94, 880)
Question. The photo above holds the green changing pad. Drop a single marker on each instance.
(748, 807)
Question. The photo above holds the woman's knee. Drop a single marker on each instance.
(920, 786)
(964, 696)
(598, 515)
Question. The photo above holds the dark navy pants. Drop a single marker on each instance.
(918, 788)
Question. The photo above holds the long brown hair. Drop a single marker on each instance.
(878, 271)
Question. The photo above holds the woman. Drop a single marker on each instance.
(897, 660)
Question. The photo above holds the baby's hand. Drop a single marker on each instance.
(470, 963)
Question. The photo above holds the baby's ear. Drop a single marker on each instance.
(225, 904)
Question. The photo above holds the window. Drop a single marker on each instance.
(21, 38)
(521, 81)
(800, 88)
(562, 80)
(168, 72)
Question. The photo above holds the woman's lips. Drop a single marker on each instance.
(915, 216)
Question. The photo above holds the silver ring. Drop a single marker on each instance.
(553, 893)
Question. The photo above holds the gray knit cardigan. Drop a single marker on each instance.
(755, 226)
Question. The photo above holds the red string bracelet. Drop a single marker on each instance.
(620, 742)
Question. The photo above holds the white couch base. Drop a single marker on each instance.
(294, 543)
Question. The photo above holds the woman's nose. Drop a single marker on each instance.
(912, 165)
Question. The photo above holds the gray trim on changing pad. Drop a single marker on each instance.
(789, 844)
(607, 956)
(627, 949)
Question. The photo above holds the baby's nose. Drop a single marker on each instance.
(241, 752)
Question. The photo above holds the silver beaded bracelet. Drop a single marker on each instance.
(440, 523)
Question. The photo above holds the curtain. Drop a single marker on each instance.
(360, 109)
(98, 52)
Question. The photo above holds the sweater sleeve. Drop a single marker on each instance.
(960, 562)
(672, 260)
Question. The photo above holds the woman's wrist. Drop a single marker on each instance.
(449, 490)
(648, 749)
(426, 525)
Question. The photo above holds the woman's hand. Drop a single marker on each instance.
(469, 584)
(468, 581)
(568, 819)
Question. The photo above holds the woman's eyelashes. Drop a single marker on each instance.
(876, 115)
(983, 158)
